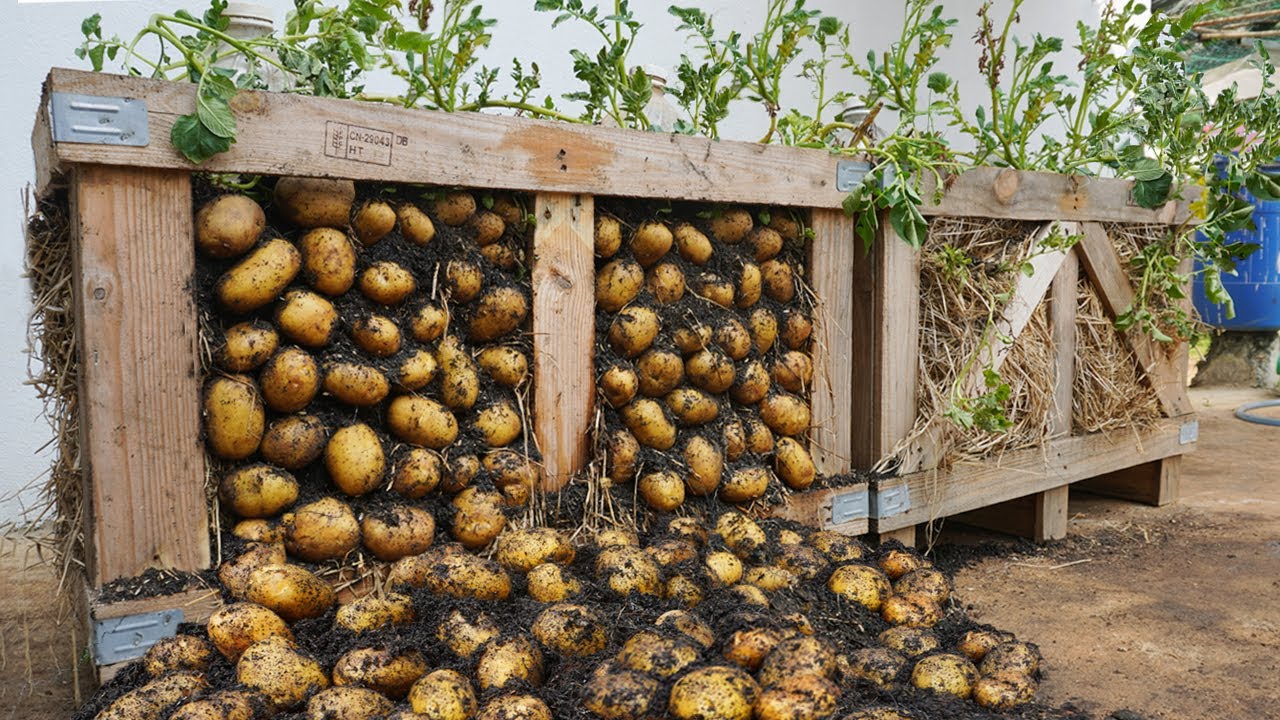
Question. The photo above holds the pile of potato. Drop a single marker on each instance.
(365, 347)
(744, 620)
(702, 354)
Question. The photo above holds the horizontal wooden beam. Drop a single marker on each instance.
(815, 509)
(969, 485)
(196, 605)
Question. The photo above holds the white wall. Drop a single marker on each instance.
(35, 36)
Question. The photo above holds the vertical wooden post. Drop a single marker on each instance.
(1051, 505)
(831, 269)
(563, 333)
(1154, 483)
(139, 385)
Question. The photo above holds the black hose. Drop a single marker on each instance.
(1242, 412)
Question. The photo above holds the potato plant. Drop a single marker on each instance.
(368, 366)
(702, 352)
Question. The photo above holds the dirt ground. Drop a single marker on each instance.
(1142, 613)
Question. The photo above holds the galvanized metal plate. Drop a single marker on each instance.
(1189, 432)
(99, 120)
(849, 506)
(851, 173)
(127, 638)
(890, 501)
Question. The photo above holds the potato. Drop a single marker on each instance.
(1012, 657)
(260, 277)
(328, 260)
(861, 584)
(909, 641)
(688, 625)
(802, 561)
(488, 227)
(499, 424)
(421, 421)
(765, 244)
(745, 484)
(1003, 691)
(508, 660)
(652, 654)
(325, 529)
(234, 573)
(733, 338)
(371, 612)
(463, 279)
(796, 329)
(786, 224)
(389, 673)
(276, 668)
(294, 441)
(246, 346)
(465, 637)
(633, 331)
(662, 491)
(628, 570)
(386, 283)
(570, 630)
(705, 466)
(416, 371)
(750, 595)
(764, 329)
(523, 550)
(373, 221)
(785, 414)
(672, 551)
(233, 628)
(666, 282)
(416, 473)
(314, 202)
(616, 693)
(510, 208)
(658, 372)
(354, 384)
(794, 465)
(769, 578)
(228, 225)
(649, 424)
(692, 244)
(977, 643)
(692, 407)
(397, 531)
(724, 566)
(803, 655)
(896, 562)
(499, 311)
(257, 490)
(506, 365)
(149, 701)
(355, 459)
(714, 691)
(836, 547)
(233, 417)
(513, 473)
(415, 225)
(878, 666)
(515, 707)
(690, 529)
(693, 338)
(799, 697)
(789, 537)
(608, 236)
(710, 370)
(925, 581)
(503, 256)
(731, 225)
(759, 438)
(793, 371)
(429, 323)
(460, 471)
(443, 695)
(622, 451)
(945, 673)
(740, 533)
(178, 652)
(751, 384)
(454, 208)
(224, 705)
(747, 291)
(459, 378)
(877, 713)
(618, 283)
(618, 384)
(779, 281)
(347, 703)
(650, 241)
(289, 380)
(715, 288)
(735, 439)
(377, 335)
(614, 537)
(548, 583)
(479, 518)
(306, 318)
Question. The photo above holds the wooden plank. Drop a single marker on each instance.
(814, 508)
(969, 485)
(1062, 326)
(1040, 517)
(196, 605)
(563, 333)
(905, 535)
(374, 141)
(42, 150)
(865, 365)
(897, 310)
(1029, 195)
(831, 277)
(1103, 265)
(1154, 483)
(139, 379)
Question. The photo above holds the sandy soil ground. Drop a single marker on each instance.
(1142, 613)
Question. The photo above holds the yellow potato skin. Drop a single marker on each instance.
(650, 242)
(371, 612)
(498, 312)
(429, 323)
(666, 282)
(315, 202)
(389, 673)
(622, 450)
(570, 630)
(422, 421)
(306, 318)
(377, 335)
(397, 532)
(499, 424)
(386, 283)
(663, 491)
(415, 225)
(692, 406)
(228, 225)
(658, 372)
(454, 208)
(355, 459)
(223, 705)
(246, 346)
(444, 695)
(328, 261)
(711, 371)
(731, 225)
(416, 473)
(716, 691)
(763, 325)
(354, 384)
(417, 371)
(506, 365)
(862, 584)
(233, 628)
(785, 414)
(234, 418)
(373, 221)
(651, 653)
(618, 283)
(459, 377)
(178, 652)
(260, 277)
(277, 669)
(348, 703)
(479, 518)
(634, 330)
(692, 244)
(523, 550)
(548, 583)
(740, 533)
(509, 659)
(650, 426)
(325, 529)
(608, 236)
(793, 464)
(745, 484)
(463, 279)
(234, 573)
(945, 673)
(515, 707)
(257, 491)
(290, 591)
(765, 243)
(705, 466)
(148, 701)
(290, 380)
(294, 441)
(616, 693)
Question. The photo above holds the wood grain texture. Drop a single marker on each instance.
(814, 509)
(1108, 276)
(864, 361)
(372, 141)
(996, 193)
(196, 605)
(1154, 483)
(140, 427)
(831, 278)
(1040, 517)
(974, 484)
(563, 333)
(897, 340)
(1062, 327)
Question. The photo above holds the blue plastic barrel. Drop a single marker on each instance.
(1255, 287)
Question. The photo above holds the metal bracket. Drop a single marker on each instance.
(890, 501)
(849, 506)
(1189, 432)
(99, 120)
(127, 638)
(851, 173)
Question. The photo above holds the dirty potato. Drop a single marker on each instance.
(246, 346)
(228, 225)
(328, 261)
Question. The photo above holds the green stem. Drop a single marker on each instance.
(515, 105)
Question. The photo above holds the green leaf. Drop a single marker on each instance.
(939, 81)
(195, 141)
(1145, 169)
(1152, 193)
(907, 221)
(92, 25)
(213, 108)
